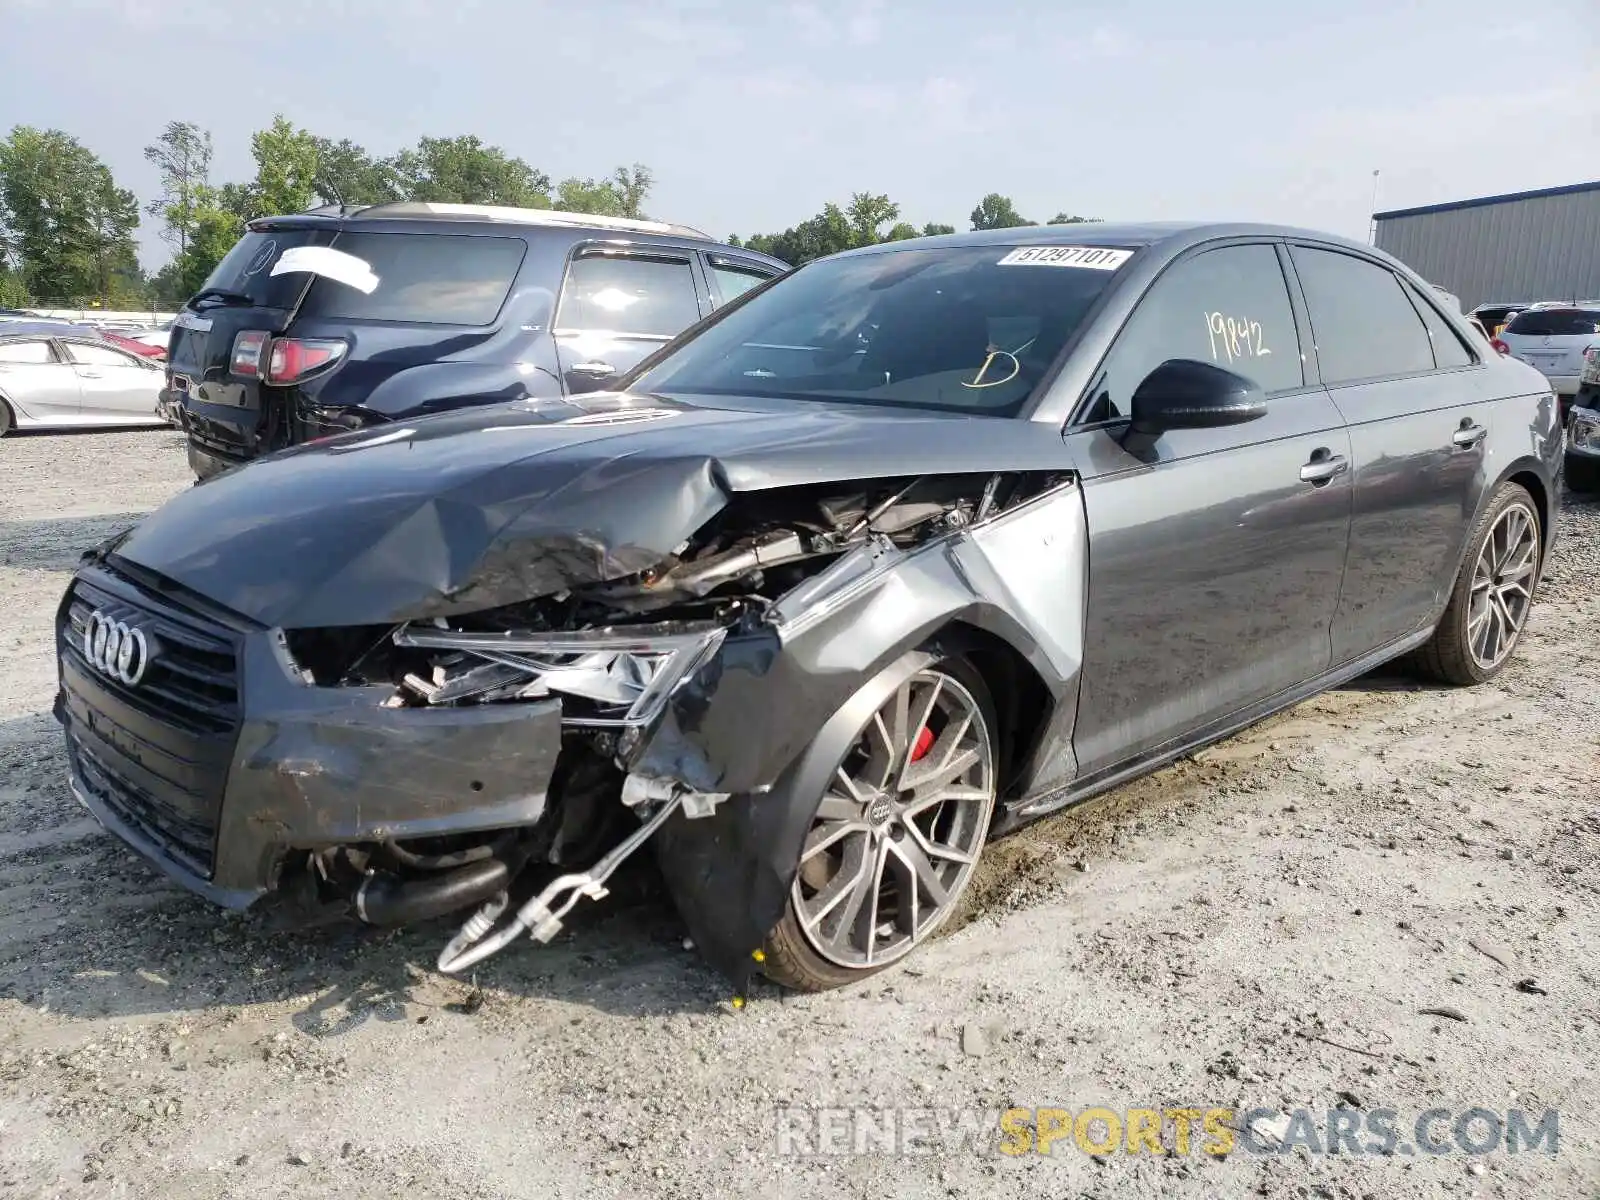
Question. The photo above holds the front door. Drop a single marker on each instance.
(1419, 410)
(617, 308)
(1216, 555)
(39, 385)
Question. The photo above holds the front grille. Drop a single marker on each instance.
(193, 677)
(156, 753)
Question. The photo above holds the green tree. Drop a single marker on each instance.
(903, 232)
(69, 226)
(218, 224)
(1062, 218)
(347, 174)
(934, 229)
(462, 170)
(111, 216)
(868, 213)
(995, 211)
(632, 186)
(286, 169)
(182, 156)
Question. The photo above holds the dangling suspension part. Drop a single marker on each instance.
(539, 916)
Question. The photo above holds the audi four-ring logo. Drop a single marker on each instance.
(119, 650)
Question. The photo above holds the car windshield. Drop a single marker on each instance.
(969, 329)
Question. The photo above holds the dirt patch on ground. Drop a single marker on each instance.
(1263, 925)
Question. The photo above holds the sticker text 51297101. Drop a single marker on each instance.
(1094, 258)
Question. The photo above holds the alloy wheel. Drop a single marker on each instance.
(1502, 586)
(900, 827)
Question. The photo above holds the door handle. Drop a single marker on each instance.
(1324, 467)
(1469, 435)
(91, 374)
(598, 369)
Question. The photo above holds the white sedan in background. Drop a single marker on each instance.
(60, 376)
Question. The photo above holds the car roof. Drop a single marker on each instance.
(1170, 235)
(47, 329)
(440, 217)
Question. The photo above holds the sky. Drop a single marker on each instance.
(754, 113)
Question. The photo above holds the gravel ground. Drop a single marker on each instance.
(1258, 926)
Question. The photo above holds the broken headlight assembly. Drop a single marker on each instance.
(620, 677)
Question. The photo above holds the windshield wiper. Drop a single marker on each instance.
(222, 296)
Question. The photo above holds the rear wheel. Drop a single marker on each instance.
(7, 421)
(1492, 596)
(896, 836)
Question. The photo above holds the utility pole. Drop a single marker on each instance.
(1372, 224)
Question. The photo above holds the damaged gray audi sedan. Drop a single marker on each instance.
(895, 553)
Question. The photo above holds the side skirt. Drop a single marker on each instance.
(1031, 809)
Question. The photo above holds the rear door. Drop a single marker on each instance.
(1419, 408)
(37, 381)
(115, 386)
(617, 307)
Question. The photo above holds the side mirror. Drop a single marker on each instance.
(1184, 394)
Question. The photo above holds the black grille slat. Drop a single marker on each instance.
(155, 753)
(193, 672)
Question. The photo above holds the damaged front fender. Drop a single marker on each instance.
(770, 719)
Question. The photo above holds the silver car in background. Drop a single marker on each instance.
(59, 376)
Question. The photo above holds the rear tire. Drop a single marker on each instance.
(1492, 596)
(897, 836)
(7, 421)
(1583, 474)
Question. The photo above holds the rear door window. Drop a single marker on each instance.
(1448, 348)
(734, 279)
(416, 278)
(101, 356)
(1363, 324)
(1556, 322)
(653, 295)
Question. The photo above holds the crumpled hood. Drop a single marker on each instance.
(502, 503)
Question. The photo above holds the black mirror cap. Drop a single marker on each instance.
(1185, 394)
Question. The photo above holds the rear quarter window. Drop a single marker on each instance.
(422, 279)
(1556, 322)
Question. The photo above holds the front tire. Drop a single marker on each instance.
(896, 836)
(7, 421)
(1492, 596)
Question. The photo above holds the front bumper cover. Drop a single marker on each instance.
(308, 768)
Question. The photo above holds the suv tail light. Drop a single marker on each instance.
(293, 359)
(1501, 346)
(248, 345)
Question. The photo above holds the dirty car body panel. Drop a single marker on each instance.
(451, 649)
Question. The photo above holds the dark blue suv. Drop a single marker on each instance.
(342, 318)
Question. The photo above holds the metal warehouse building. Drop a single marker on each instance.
(1520, 248)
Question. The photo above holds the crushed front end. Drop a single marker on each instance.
(510, 758)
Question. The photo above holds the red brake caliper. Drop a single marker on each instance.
(922, 745)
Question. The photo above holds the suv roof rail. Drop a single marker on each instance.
(524, 216)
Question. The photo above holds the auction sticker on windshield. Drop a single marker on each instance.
(1095, 258)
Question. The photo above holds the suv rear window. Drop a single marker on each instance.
(1556, 322)
(247, 268)
(423, 278)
